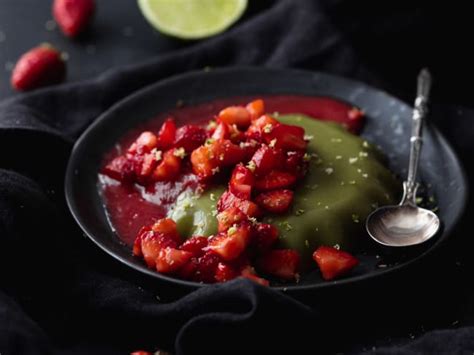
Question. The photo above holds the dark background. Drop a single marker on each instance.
(393, 40)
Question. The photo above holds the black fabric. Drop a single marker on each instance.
(59, 294)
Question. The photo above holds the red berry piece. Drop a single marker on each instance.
(222, 131)
(334, 263)
(225, 272)
(151, 245)
(282, 263)
(207, 160)
(145, 142)
(231, 244)
(168, 228)
(261, 127)
(189, 137)
(275, 180)
(73, 16)
(40, 66)
(170, 260)
(168, 167)
(166, 135)
(228, 200)
(265, 237)
(276, 201)
(256, 109)
(206, 267)
(237, 115)
(266, 159)
(120, 169)
(287, 137)
(241, 182)
(195, 245)
(229, 217)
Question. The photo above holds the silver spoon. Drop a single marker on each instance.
(407, 224)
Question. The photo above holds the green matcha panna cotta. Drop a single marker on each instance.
(347, 179)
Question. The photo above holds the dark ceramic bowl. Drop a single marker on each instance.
(388, 125)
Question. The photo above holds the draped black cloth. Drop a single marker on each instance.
(60, 295)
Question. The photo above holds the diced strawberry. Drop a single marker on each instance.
(228, 199)
(333, 262)
(222, 131)
(249, 273)
(256, 109)
(266, 159)
(152, 243)
(195, 245)
(236, 135)
(229, 217)
(144, 143)
(237, 115)
(170, 260)
(167, 134)
(141, 352)
(203, 162)
(265, 237)
(356, 119)
(276, 201)
(250, 147)
(231, 244)
(283, 263)
(168, 167)
(188, 270)
(120, 169)
(287, 137)
(275, 179)
(137, 244)
(295, 163)
(227, 153)
(189, 137)
(137, 247)
(208, 159)
(249, 208)
(241, 182)
(261, 126)
(225, 272)
(211, 127)
(206, 267)
(136, 161)
(167, 227)
(147, 167)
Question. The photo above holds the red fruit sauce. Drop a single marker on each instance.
(130, 208)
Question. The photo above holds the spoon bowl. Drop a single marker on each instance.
(402, 225)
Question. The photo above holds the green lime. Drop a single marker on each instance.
(192, 19)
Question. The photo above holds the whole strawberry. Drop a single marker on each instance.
(73, 16)
(40, 66)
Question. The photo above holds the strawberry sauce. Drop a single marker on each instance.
(131, 207)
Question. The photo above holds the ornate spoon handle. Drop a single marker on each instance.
(419, 113)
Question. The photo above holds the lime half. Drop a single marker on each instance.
(192, 19)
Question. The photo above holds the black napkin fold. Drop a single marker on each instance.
(60, 294)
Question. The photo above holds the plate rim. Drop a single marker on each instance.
(136, 96)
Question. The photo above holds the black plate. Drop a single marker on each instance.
(388, 125)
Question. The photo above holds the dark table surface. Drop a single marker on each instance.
(118, 36)
(432, 35)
